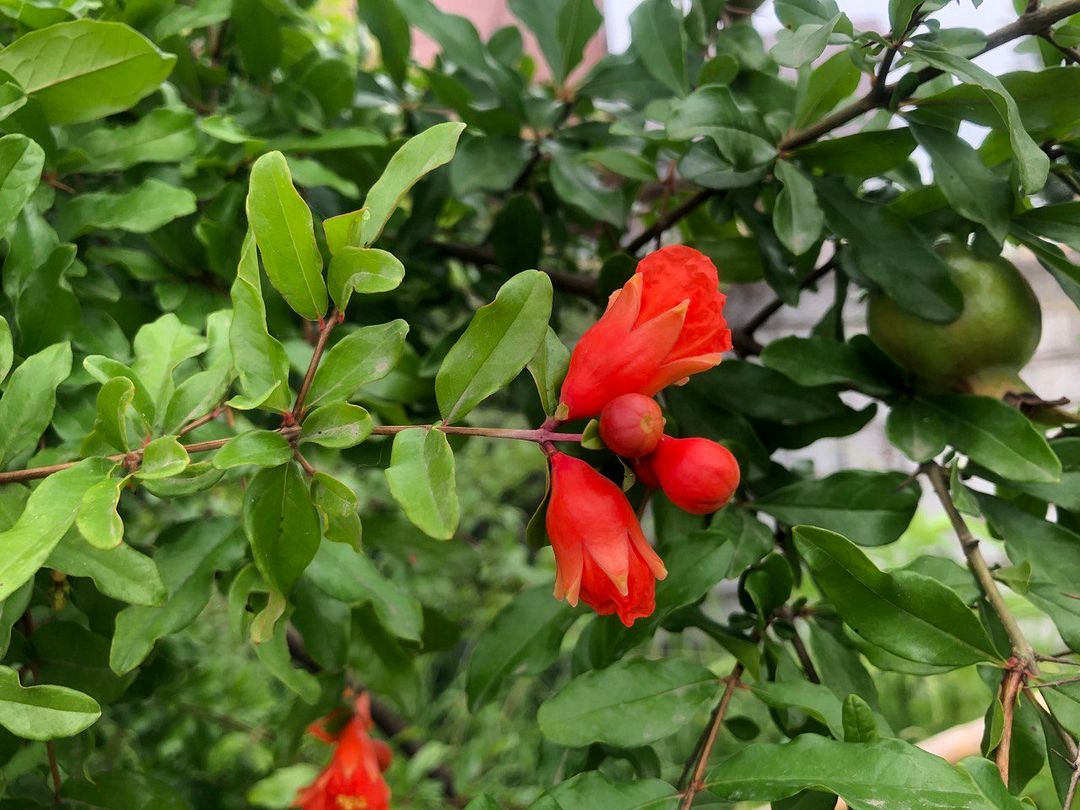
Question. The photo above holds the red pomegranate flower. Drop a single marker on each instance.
(353, 779)
(665, 324)
(601, 555)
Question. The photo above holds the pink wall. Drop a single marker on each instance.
(489, 16)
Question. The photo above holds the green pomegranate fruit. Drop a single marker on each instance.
(981, 351)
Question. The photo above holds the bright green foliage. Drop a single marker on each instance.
(265, 276)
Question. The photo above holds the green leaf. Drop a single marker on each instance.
(338, 425)
(1052, 550)
(524, 639)
(122, 572)
(122, 790)
(805, 44)
(203, 391)
(7, 352)
(281, 524)
(741, 138)
(421, 479)
(820, 361)
(797, 218)
(577, 184)
(1032, 163)
(349, 576)
(500, 340)
(905, 613)
(97, 518)
(419, 155)
(892, 253)
(363, 356)
(874, 508)
(49, 513)
(997, 436)
(860, 722)
(659, 40)
(364, 271)
(261, 363)
(915, 427)
(258, 35)
(261, 448)
(43, 712)
(826, 86)
(86, 69)
(194, 478)
(164, 135)
(562, 28)
(389, 26)
(865, 775)
(597, 791)
(1066, 493)
(548, 368)
(186, 565)
(141, 209)
(595, 707)
(26, 408)
(113, 400)
(284, 231)
(972, 189)
(763, 393)
(11, 611)
(164, 457)
(812, 699)
(278, 790)
(21, 162)
(161, 346)
(865, 154)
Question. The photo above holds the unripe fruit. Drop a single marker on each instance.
(698, 475)
(993, 338)
(631, 425)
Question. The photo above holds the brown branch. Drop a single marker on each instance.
(1029, 23)
(1010, 689)
(386, 719)
(325, 328)
(804, 658)
(687, 207)
(701, 756)
(743, 337)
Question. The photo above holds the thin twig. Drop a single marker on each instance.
(327, 326)
(804, 658)
(1010, 689)
(743, 337)
(702, 755)
(687, 207)
(1058, 682)
(54, 770)
(584, 286)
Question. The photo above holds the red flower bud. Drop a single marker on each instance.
(601, 555)
(353, 779)
(644, 471)
(631, 425)
(665, 324)
(698, 475)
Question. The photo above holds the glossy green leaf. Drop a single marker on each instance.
(141, 209)
(916, 428)
(21, 162)
(421, 479)
(363, 356)
(597, 791)
(364, 271)
(204, 391)
(872, 508)
(804, 44)
(524, 639)
(863, 774)
(658, 39)
(48, 514)
(338, 425)
(548, 368)
(826, 86)
(164, 457)
(86, 69)
(797, 218)
(113, 400)
(420, 155)
(260, 448)
(665, 695)
(819, 361)
(282, 525)
(389, 26)
(907, 614)
(7, 353)
(562, 28)
(284, 231)
(122, 790)
(165, 135)
(261, 364)
(860, 723)
(865, 154)
(121, 572)
(43, 712)
(498, 343)
(812, 699)
(161, 346)
(97, 518)
(26, 408)
(997, 436)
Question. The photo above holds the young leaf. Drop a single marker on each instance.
(43, 712)
(859, 720)
(797, 217)
(164, 457)
(499, 341)
(26, 408)
(421, 479)
(48, 514)
(21, 162)
(548, 368)
(261, 448)
(97, 518)
(363, 356)
(7, 353)
(364, 271)
(804, 44)
(281, 524)
(592, 707)
(261, 364)
(161, 346)
(86, 69)
(338, 425)
(905, 613)
(284, 231)
(419, 155)
(113, 400)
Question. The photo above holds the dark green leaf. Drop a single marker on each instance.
(659, 40)
(29, 398)
(281, 524)
(363, 356)
(261, 448)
